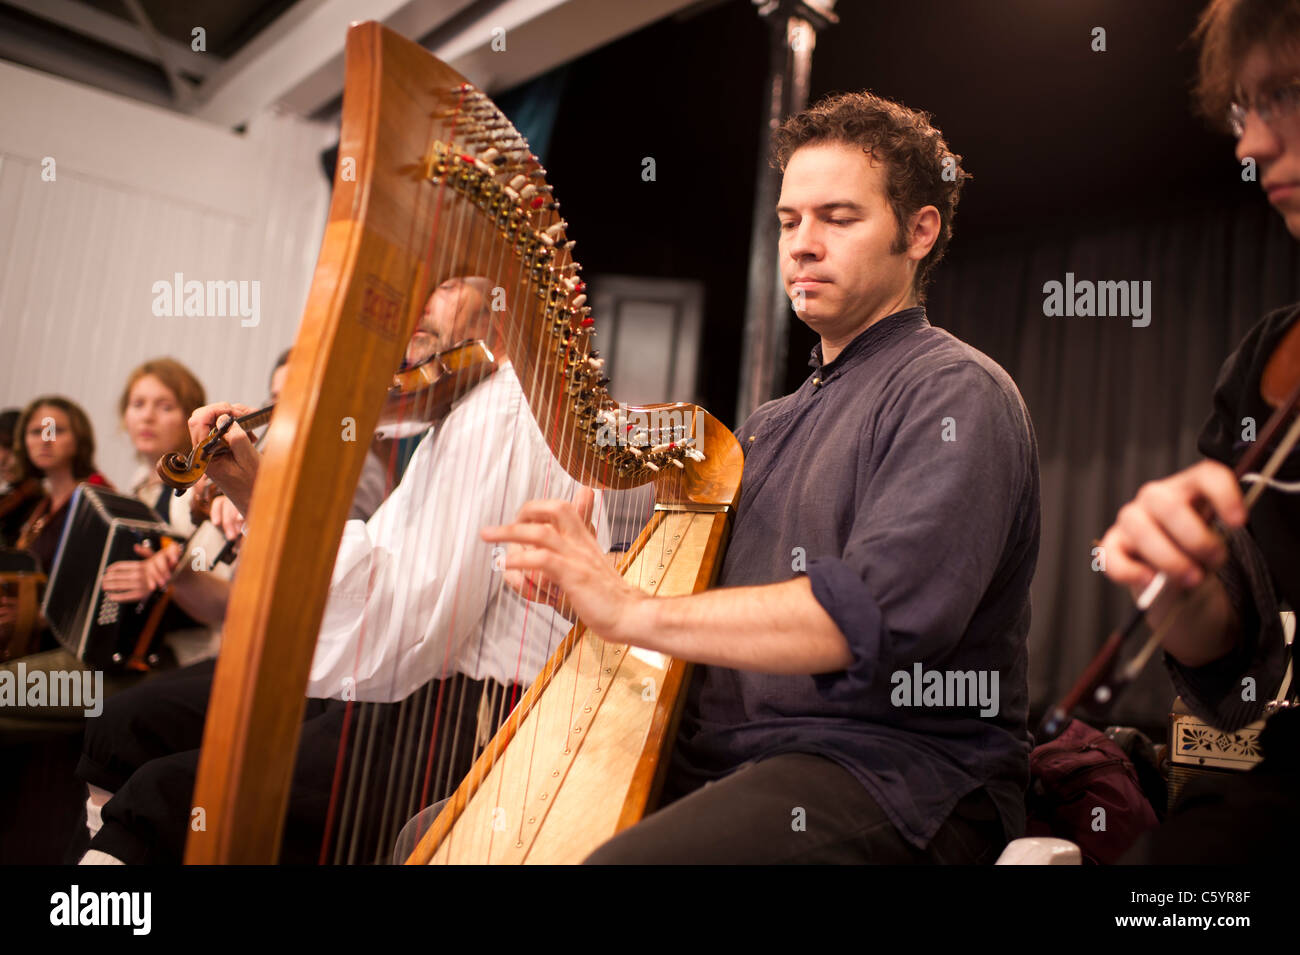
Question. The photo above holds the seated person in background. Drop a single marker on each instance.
(58, 446)
(17, 498)
(1227, 656)
(8, 456)
(143, 750)
(8, 463)
(54, 444)
(155, 407)
(203, 594)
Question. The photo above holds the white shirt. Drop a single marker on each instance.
(415, 594)
(148, 488)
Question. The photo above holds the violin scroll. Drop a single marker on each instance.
(178, 473)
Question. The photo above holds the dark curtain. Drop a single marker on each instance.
(1113, 405)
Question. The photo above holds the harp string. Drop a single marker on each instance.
(460, 684)
(448, 692)
(420, 223)
(442, 745)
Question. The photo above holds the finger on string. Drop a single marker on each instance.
(537, 559)
(538, 535)
(562, 514)
(585, 500)
(205, 419)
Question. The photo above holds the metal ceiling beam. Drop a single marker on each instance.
(299, 64)
(417, 19)
(67, 63)
(182, 92)
(292, 48)
(297, 61)
(117, 33)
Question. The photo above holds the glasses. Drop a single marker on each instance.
(1278, 103)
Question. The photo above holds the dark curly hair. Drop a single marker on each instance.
(1227, 31)
(913, 151)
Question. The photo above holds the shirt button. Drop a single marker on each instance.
(817, 382)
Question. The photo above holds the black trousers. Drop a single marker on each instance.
(791, 809)
(144, 749)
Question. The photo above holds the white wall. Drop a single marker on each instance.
(140, 194)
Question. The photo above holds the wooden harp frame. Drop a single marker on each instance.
(369, 285)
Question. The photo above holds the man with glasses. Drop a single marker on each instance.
(1229, 656)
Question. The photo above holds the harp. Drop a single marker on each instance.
(433, 180)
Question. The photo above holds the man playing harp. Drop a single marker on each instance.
(861, 691)
(411, 601)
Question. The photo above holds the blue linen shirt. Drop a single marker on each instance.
(902, 478)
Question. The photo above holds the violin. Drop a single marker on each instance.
(140, 659)
(419, 395)
(28, 490)
(200, 513)
(1102, 680)
(423, 394)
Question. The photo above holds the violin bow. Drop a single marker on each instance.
(1100, 683)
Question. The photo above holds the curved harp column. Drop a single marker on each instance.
(442, 182)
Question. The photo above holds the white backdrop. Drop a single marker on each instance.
(138, 195)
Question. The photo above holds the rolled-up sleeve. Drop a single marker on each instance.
(843, 595)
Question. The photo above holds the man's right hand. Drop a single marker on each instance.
(235, 472)
(1164, 530)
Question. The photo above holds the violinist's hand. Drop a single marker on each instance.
(128, 581)
(235, 472)
(227, 517)
(560, 560)
(1162, 530)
